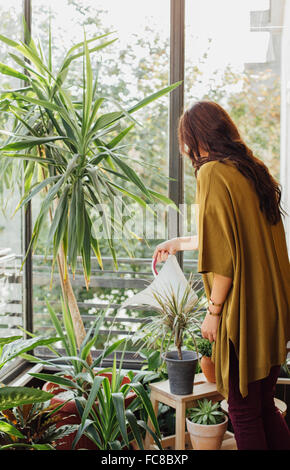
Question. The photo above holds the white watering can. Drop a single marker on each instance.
(170, 279)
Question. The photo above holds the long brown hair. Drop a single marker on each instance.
(207, 127)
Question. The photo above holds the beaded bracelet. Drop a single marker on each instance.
(214, 303)
(214, 314)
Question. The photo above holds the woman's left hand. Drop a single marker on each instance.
(209, 327)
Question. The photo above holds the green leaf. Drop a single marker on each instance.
(80, 54)
(156, 437)
(96, 249)
(30, 142)
(80, 432)
(55, 379)
(89, 87)
(119, 405)
(141, 392)
(28, 157)
(57, 325)
(8, 41)
(29, 446)
(72, 234)
(80, 214)
(115, 445)
(60, 214)
(26, 66)
(107, 351)
(132, 175)
(14, 349)
(69, 328)
(8, 340)
(132, 420)
(92, 397)
(59, 227)
(119, 137)
(39, 187)
(6, 70)
(153, 97)
(166, 200)
(10, 430)
(17, 396)
(95, 109)
(88, 343)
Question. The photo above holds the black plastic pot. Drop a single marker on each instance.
(181, 371)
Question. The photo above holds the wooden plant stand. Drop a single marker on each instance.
(160, 393)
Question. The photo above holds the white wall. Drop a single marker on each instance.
(285, 119)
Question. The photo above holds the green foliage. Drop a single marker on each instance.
(73, 364)
(30, 425)
(17, 396)
(112, 424)
(14, 346)
(204, 347)
(76, 147)
(206, 413)
(153, 363)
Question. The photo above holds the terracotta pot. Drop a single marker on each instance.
(70, 413)
(208, 368)
(206, 437)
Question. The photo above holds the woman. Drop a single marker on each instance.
(245, 268)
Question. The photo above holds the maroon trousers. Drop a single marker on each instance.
(257, 423)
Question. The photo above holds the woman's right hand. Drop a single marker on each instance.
(163, 250)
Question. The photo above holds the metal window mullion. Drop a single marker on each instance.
(176, 104)
(27, 224)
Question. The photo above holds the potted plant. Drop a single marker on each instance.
(206, 425)
(72, 152)
(32, 426)
(176, 318)
(112, 425)
(74, 376)
(75, 379)
(206, 364)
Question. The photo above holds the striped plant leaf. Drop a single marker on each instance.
(17, 396)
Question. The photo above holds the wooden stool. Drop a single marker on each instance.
(282, 407)
(160, 393)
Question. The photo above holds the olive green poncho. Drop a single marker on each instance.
(236, 240)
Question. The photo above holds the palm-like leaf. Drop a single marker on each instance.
(78, 128)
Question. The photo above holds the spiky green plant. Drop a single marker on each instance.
(175, 318)
(73, 153)
(206, 413)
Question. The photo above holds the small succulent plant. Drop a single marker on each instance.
(206, 413)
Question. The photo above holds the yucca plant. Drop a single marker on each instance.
(111, 425)
(100, 401)
(176, 318)
(32, 426)
(73, 373)
(73, 152)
